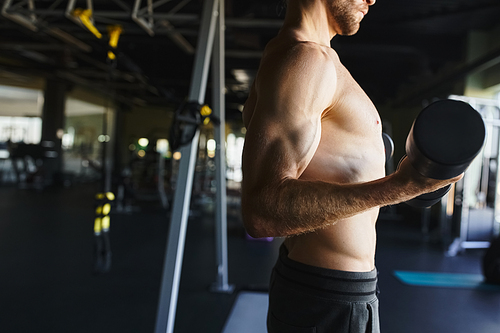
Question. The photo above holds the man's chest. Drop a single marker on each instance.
(351, 108)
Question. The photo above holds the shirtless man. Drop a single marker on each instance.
(313, 166)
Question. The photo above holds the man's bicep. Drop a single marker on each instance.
(279, 145)
(285, 127)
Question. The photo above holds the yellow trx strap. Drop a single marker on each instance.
(114, 32)
(102, 210)
(85, 17)
(206, 111)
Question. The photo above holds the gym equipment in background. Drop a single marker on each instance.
(211, 36)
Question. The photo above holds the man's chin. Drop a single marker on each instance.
(350, 31)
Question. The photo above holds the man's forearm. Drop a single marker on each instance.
(297, 206)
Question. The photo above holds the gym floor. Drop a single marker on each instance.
(47, 285)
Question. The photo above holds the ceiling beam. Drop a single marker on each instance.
(171, 17)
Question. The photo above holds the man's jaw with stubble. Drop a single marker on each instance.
(347, 16)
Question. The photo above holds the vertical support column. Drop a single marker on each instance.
(119, 137)
(53, 127)
(496, 224)
(177, 231)
(110, 146)
(219, 105)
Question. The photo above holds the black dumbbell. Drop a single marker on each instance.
(388, 146)
(444, 139)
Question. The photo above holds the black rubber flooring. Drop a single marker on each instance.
(47, 285)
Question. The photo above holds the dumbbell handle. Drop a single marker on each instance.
(429, 199)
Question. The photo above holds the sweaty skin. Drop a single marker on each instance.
(313, 161)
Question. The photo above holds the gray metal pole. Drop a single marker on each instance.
(161, 182)
(178, 223)
(218, 83)
(110, 142)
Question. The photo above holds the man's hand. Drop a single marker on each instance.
(414, 184)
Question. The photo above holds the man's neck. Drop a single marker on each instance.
(310, 21)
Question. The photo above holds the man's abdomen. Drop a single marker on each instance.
(348, 245)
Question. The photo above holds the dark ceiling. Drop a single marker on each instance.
(400, 51)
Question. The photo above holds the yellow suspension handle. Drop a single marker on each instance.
(98, 225)
(102, 210)
(206, 111)
(84, 15)
(106, 220)
(114, 32)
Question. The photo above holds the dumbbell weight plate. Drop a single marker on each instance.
(444, 139)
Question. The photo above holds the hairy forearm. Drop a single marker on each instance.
(296, 206)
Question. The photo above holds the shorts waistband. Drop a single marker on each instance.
(332, 282)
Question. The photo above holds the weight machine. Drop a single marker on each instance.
(475, 186)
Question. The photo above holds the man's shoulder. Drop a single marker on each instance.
(297, 70)
(299, 57)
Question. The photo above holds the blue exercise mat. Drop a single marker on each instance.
(445, 280)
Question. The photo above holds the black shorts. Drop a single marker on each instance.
(304, 298)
